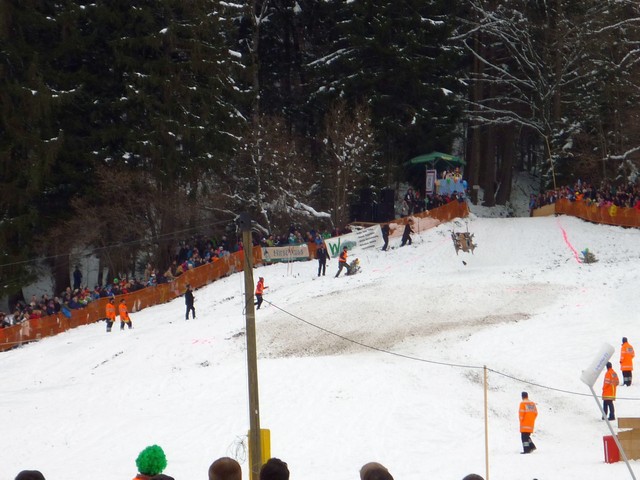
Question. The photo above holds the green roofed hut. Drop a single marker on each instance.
(443, 172)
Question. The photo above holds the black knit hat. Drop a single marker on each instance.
(30, 475)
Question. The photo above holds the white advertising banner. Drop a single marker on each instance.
(290, 253)
(370, 237)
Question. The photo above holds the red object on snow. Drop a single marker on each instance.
(611, 452)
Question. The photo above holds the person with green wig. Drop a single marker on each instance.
(151, 462)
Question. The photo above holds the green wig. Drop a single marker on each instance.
(151, 461)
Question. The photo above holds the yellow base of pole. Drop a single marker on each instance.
(265, 443)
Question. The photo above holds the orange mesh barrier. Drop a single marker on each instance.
(545, 211)
(620, 216)
(37, 328)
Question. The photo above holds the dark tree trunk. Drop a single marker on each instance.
(505, 173)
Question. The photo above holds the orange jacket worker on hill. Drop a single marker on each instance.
(124, 315)
(528, 414)
(626, 361)
(609, 386)
(110, 313)
(259, 291)
(342, 261)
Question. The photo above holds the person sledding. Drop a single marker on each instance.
(353, 267)
(406, 235)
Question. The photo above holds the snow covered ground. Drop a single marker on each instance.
(382, 366)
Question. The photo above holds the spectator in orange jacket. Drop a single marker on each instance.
(342, 261)
(626, 361)
(609, 391)
(124, 315)
(528, 414)
(110, 313)
(259, 291)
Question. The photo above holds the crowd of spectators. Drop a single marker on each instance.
(69, 299)
(296, 237)
(151, 463)
(607, 195)
(414, 202)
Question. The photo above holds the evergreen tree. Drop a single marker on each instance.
(393, 56)
(31, 177)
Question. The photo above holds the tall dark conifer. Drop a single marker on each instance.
(32, 185)
(393, 56)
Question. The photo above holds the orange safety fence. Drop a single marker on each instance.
(608, 215)
(50, 325)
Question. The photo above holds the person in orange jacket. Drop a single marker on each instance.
(342, 261)
(260, 288)
(626, 361)
(110, 313)
(124, 315)
(609, 386)
(528, 413)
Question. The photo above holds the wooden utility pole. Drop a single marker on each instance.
(486, 425)
(255, 447)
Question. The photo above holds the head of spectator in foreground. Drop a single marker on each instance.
(30, 475)
(274, 469)
(473, 476)
(151, 461)
(225, 468)
(374, 471)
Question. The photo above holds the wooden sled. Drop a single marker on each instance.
(463, 241)
(353, 267)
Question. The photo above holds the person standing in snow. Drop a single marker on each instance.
(406, 235)
(609, 387)
(188, 301)
(124, 315)
(409, 199)
(110, 313)
(260, 288)
(77, 278)
(342, 261)
(322, 255)
(528, 413)
(385, 236)
(626, 361)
